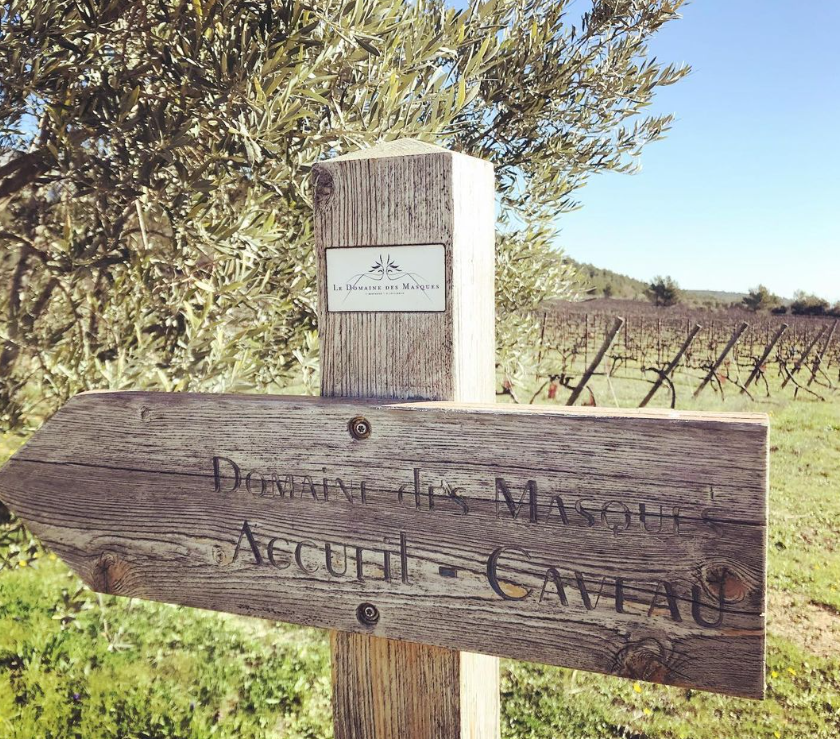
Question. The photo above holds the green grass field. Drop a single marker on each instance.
(73, 664)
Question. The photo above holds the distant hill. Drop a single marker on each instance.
(719, 296)
(597, 282)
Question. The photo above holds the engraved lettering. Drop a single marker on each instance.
(248, 534)
(271, 545)
(643, 515)
(514, 507)
(387, 565)
(449, 493)
(670, 597)
(329, 561)
(590, 519)
(401, 492)
(551, 574)
(584, 593)
(308, 485)
(557, 501)
(404, 557)
(217, 474)
(263, 485)
(626, 515)
(284, 486)
(299, 557)
(348, 493)
(360, 575)
(493, 577)
(619, 595)
(695, 608)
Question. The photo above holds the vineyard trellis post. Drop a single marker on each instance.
(766, 353)
(720, 360)
(804, 356)
(541, 344)
(672, 365)
(659, 340)
(585, 339)
(596, 360)
(815, 368)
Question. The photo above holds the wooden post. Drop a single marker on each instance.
(586, 340)
(672, 365)
(769, 348)
(611, 334)
(804, 356)
(434, 209)
(659, 341)
(818, 359)
(626, 345)
(542, 343)
(728, 348)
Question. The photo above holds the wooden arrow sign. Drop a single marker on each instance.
(626, 542)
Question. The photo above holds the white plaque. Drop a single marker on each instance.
(386, 279)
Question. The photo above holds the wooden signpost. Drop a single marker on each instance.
(424, 525)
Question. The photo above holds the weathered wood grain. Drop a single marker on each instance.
(395, 195)
(393, 198)
(638, 547)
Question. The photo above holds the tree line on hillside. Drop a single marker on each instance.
(664, 292)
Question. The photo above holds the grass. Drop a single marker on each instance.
(73, 664)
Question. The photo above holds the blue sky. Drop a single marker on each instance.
(746, 187)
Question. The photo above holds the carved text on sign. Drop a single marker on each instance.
(525, 503)
(628, 543)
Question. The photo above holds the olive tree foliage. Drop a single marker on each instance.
(155, 158)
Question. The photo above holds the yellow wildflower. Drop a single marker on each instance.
(22, 563)
(647, 711)
(774, 674)
(637, 687)
(792, 671)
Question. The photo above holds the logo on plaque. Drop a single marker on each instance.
(386, 279)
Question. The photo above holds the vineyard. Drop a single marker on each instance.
(665, 354)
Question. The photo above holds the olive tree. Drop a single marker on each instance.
(155, 206)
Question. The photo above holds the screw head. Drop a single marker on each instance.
(360, 427)
(367, 614)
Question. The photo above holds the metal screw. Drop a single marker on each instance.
(359, 427)
(368, 614)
